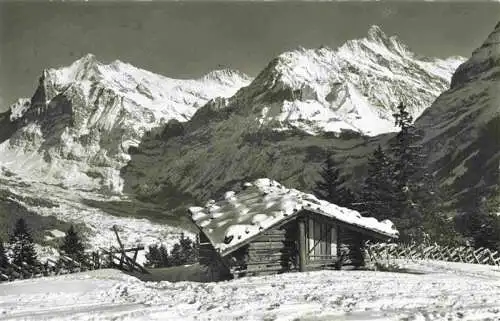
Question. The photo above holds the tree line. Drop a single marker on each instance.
(183, 252)
(20, 249)
(399, 186)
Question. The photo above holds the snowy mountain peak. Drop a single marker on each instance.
(85, 68)
(88, 57)
(227, 76)
(375, 33)
(392, 43)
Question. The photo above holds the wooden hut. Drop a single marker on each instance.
(267, 228)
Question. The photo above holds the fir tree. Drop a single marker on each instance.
(189, 249)
(437, 224)
(184, 252)
(406, 154)
(484, 224)
(73, 246)
(157, 257)
(409, 178)
(4, 261)
(176, 257)
(377, 193)
(23, 249)
(329, 187)
(418, 199)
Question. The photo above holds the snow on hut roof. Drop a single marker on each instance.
(264, 203)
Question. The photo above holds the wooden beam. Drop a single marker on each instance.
(124, 258)
(259, 271)
(118, 238)
(302, 245)
(135, 256)
(133, 249)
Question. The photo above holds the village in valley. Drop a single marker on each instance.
(355, 182)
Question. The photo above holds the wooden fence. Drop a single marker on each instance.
(387, 251)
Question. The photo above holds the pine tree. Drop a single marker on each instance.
(73, 246)
(329, 187)
(409, 178)
(157, 257)
(377, 193)
(152, 256)
(406, 154)
(418, 199)
(4, 261)
(184, 252)
(484, 224)
(23, 249)
(176, 256)
(189, 249)
(438, 225)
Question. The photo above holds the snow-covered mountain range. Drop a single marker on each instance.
(355, 87)
(81, 121)
(92, 129)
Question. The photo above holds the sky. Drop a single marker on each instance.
(188, 39)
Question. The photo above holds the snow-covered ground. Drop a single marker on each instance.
(444, 291)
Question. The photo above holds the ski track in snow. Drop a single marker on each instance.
(447, 291)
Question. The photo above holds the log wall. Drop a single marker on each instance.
(214, 268)
(350, 249)
(273, 252)
(276, 251)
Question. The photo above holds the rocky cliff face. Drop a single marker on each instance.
(462, 126)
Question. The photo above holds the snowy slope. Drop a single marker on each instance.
(461, 126)
(92, 211)
(445, 291)
(354, 87)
